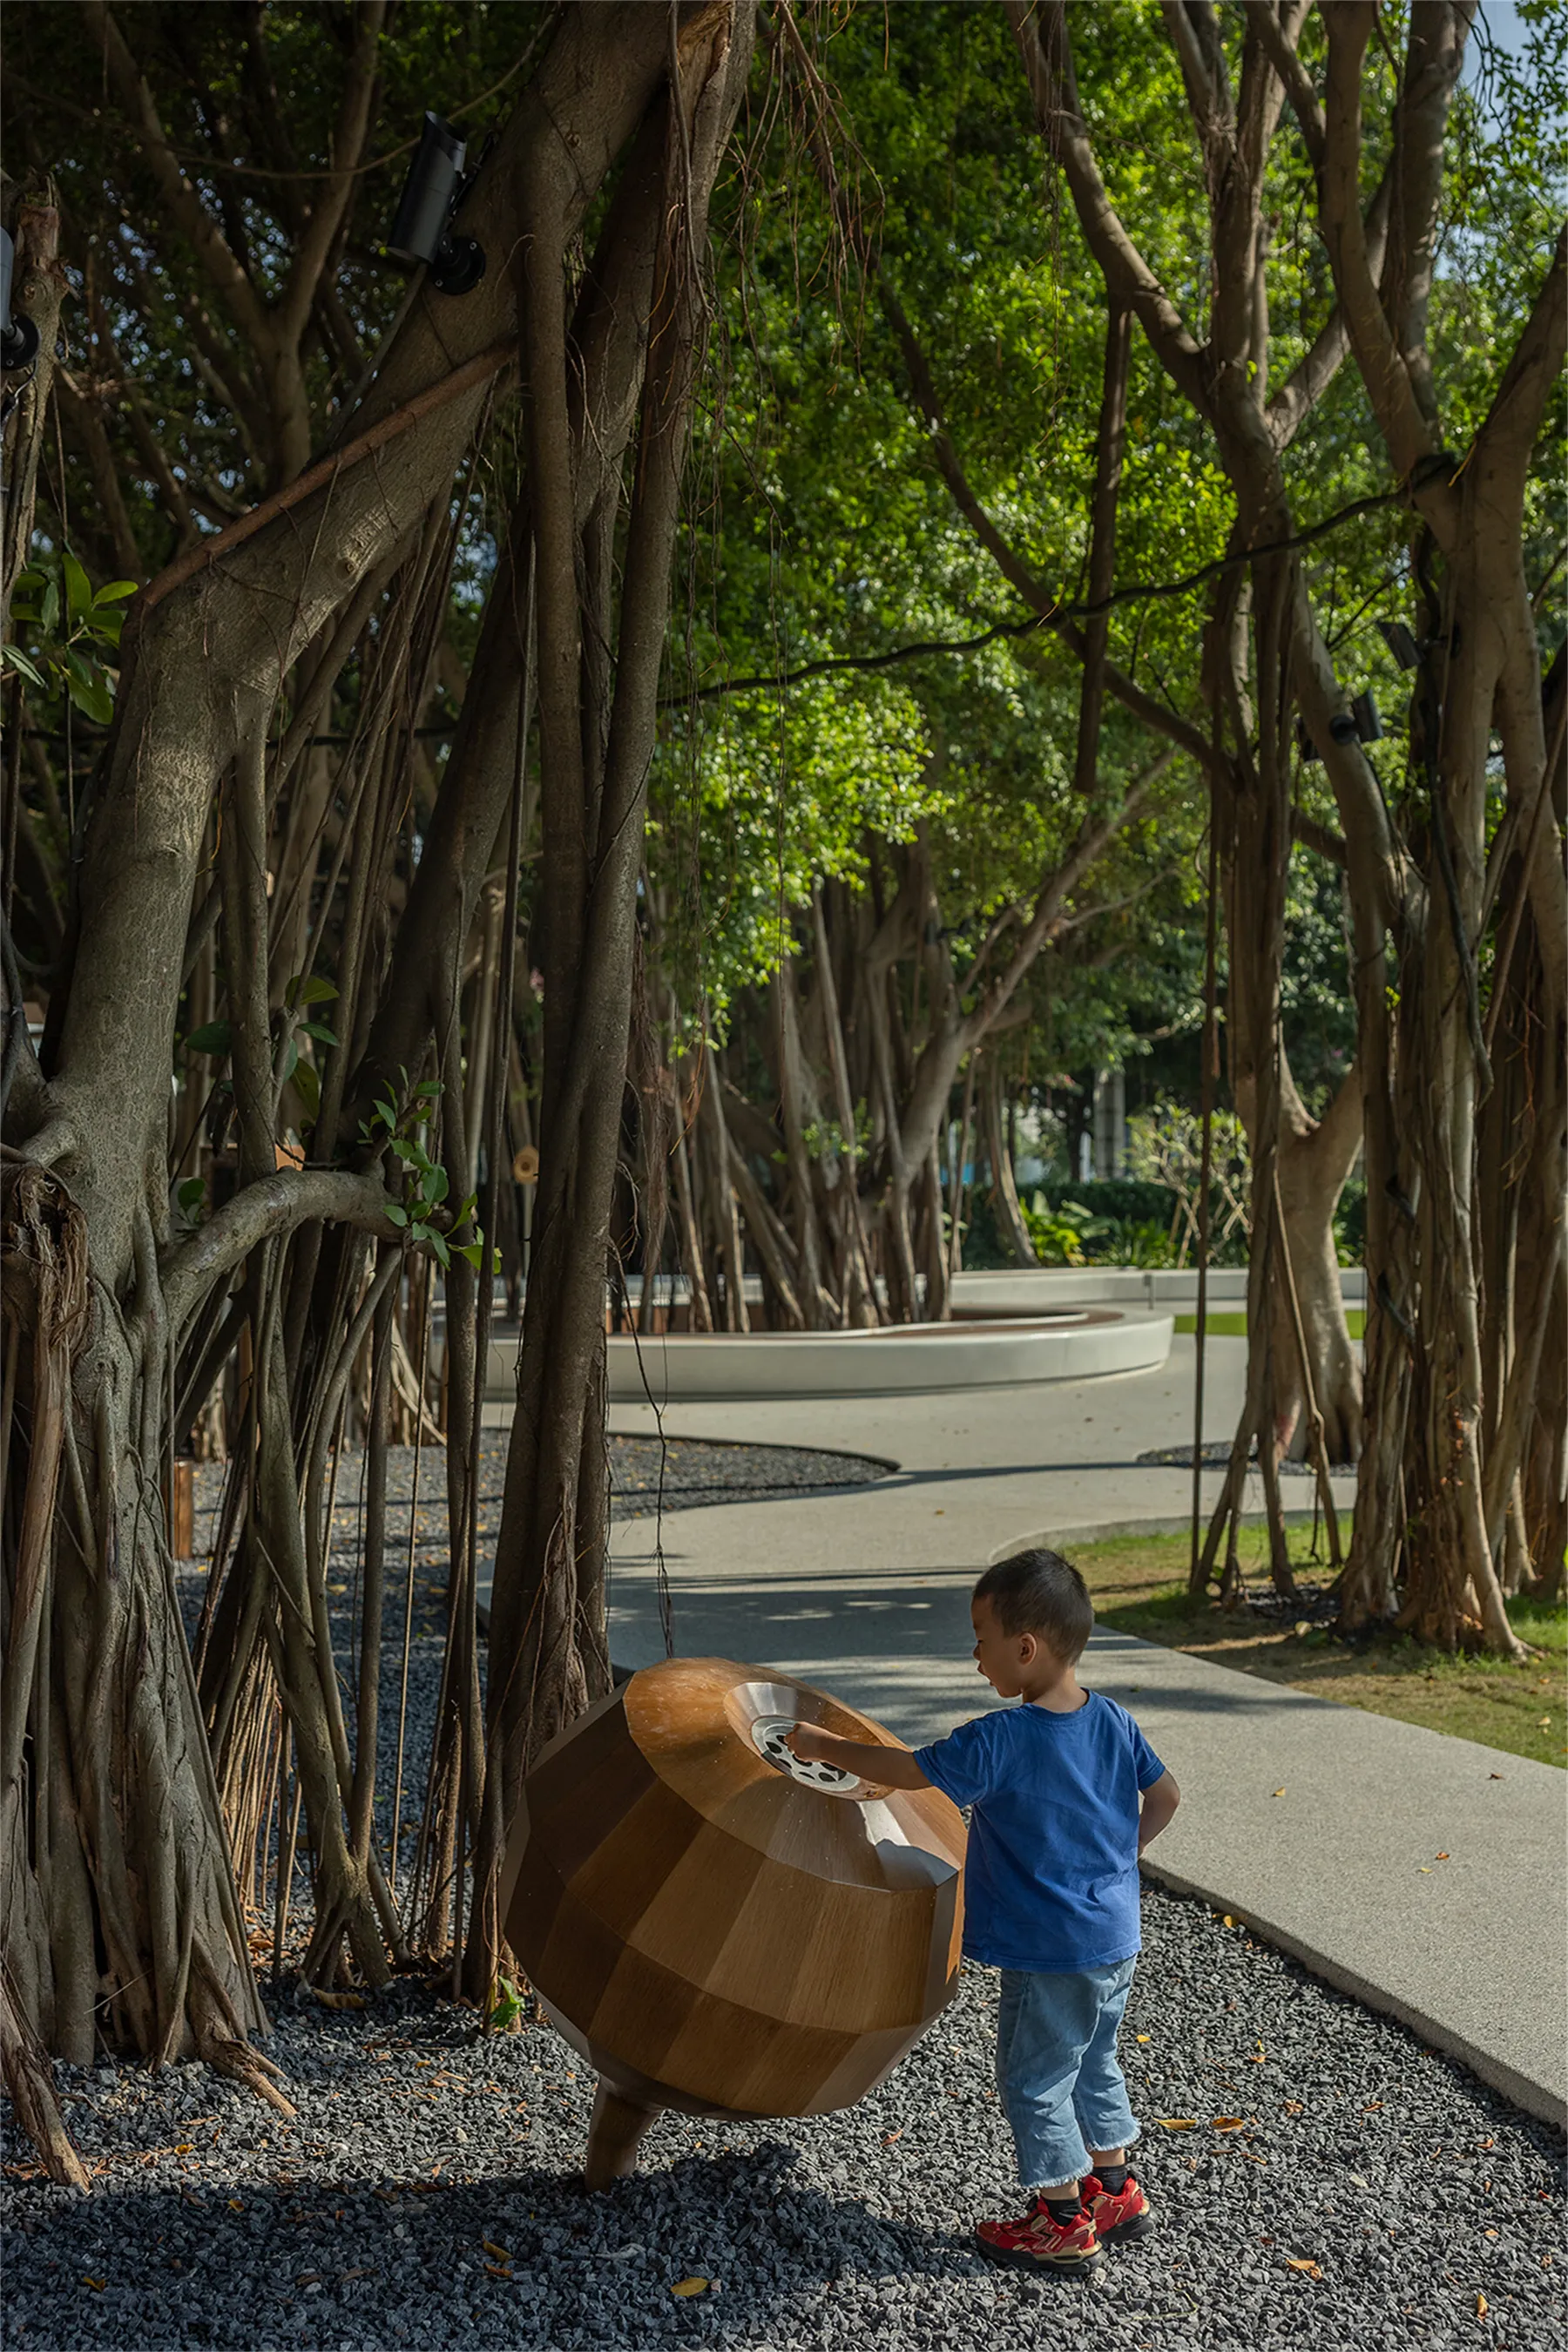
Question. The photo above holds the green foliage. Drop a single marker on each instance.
(1136, 1241)
(402, 1130)
(1062, 1236)
(1165, 1146)
(69, 634)
(505, 2014)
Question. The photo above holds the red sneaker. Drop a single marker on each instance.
(1125, 2213)
(1039, 2241)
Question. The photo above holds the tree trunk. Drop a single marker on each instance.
(126, 1911)
(1007, 1208)
(549, 1652)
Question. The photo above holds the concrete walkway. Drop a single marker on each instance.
(1317, 1823)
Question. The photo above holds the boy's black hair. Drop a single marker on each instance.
(1041, 1593)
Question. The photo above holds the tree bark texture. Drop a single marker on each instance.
(548, 1641)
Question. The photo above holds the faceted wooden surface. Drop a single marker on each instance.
(713, 1933)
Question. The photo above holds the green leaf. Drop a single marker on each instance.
(49, 610)
(437, 1185)
(212, 1037)
(106, 627)
(507, 2006)
(78, 587)
(309, 988)
(396, 1213)
(88, 688)
(438, 1245)
(13, 658)
(290, 1059)
(318, 1030)
(114, 591)
(471, 1250)
(308, 1087)
(191, 1194)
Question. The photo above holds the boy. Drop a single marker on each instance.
(1051, 1899)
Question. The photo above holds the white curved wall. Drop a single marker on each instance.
(704, 1368)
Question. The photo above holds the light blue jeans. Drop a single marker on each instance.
(1060, 2085)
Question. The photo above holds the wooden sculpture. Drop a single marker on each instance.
(717, 1925)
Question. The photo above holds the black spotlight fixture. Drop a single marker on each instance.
(18, 335)
(431, 194)
(1400, 643)
(1360, 724)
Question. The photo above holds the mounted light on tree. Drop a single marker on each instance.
(1400, 643)
(18, 335)
(421, 230)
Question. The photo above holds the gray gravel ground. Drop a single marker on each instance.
(426, 2195)
(426, 2192)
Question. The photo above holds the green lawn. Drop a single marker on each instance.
(1232, 1324)
(1139, 1586)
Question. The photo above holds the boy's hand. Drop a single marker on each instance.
(890, 1767)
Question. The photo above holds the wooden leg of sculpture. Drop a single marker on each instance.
(613, 2135)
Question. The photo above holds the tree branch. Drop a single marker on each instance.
(1322, 838)
(1041, 31)
(185, 208)
(330, 205)
(271, 1206)
(1318, 366)
(1508, 438)
(1408, 433)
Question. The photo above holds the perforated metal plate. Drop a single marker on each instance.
(769, 1736)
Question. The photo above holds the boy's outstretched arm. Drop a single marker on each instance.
(1160, 1802)
(895, 1768)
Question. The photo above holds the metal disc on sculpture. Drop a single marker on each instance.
(717, 1925)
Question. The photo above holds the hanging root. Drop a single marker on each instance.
(220, 2041)
(244, 2065)
(30, 2083)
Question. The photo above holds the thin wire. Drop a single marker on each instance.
(1205, 1173)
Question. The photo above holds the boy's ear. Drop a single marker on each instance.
(1028, 1648)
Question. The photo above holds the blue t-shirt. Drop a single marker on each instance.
(1051, 1880)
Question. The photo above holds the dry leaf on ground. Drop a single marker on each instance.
(500, 2253)
(1304, 2263)
(690, 2286)
(1230, 2123)
(495, 2270)
(1481, 2306)
(1177, 2122)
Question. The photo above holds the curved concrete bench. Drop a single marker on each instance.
(899, 1358)
(1040, 1290)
